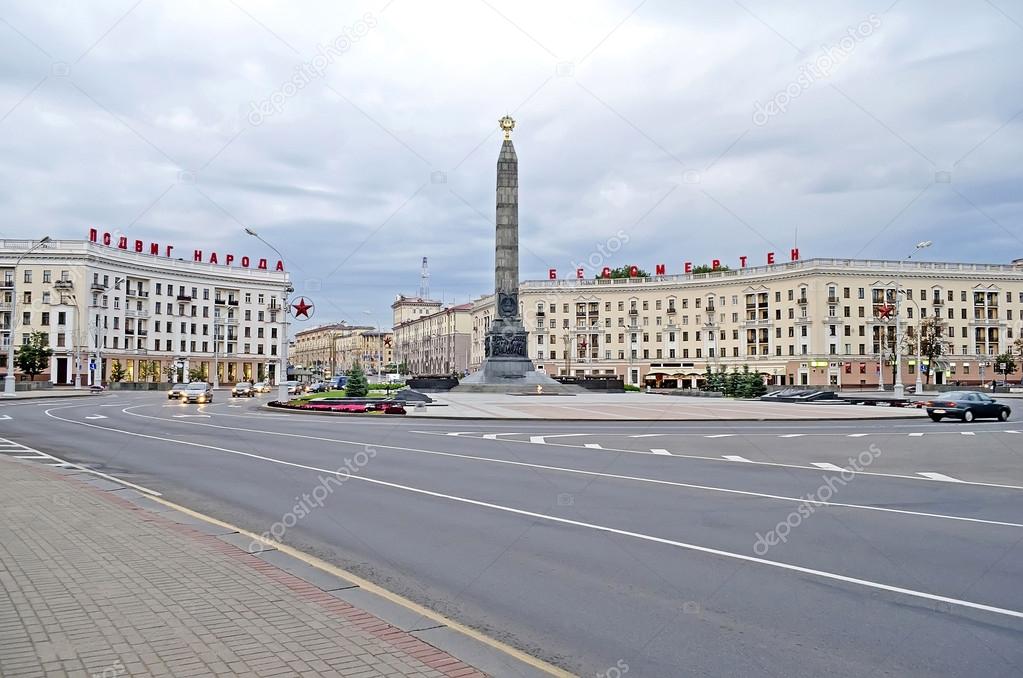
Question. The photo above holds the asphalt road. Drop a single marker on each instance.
(683, 549)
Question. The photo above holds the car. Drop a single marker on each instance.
(294, 388)
(967, 405)
(261, 387)
(318, 387)
(175, 391)
(243, 389)
(197, 392)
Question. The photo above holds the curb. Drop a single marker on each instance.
(435, 639)
(84, 394)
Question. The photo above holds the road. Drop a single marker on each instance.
(675, 549)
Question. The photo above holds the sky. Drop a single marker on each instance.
(359, 137)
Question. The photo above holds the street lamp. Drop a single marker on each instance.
(9, 379)
(282, 376)
(919, 338)
(899, 389)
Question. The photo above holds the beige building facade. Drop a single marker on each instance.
(329, 350)
(814, 322)
(430, 339)
(101, 307)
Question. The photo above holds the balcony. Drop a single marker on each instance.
(832, 299)
(143, 333)
(633, 311)
(672, 309)
(130, 332)
(803, 301)
(96, 287)
(938, 301)
(65, 285)
(184, 297)
(6, 306)
(232, 302)
(218, 300)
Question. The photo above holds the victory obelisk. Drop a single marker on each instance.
(507, 367)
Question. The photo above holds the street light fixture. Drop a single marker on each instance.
(899, 389)
(282, 375)
(9, 379)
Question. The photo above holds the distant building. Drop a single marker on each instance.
(429, 338)
(328, 350)
(99, 306)
(815, 322)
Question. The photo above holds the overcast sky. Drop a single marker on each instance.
(359, 137)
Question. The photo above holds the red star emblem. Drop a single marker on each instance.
(302, 308)
(884, 312)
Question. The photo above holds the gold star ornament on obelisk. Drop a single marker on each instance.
(507, 124)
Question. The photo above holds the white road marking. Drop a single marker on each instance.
(735, 457)
(29, 456)
(939, 476)
(967, 433)
(4, 417)
(1010, 431)
(538, 440)
(593, 446)
(565, 435)
(791, 435)
(492, 436)
(189, 416)
(96, 416)
(857, 435)
(827, 466)
(645, 435)
(720, 435)
(700, 457)
(916, 435)
(69, 464)
(459, 433)
(660, 450)
(822, 574)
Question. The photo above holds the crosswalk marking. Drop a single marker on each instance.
(735, 457)
(827, 466)
(660, 450)
(939, 476)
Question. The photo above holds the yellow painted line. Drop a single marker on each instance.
(367, 585)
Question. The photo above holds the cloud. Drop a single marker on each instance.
(639, 121)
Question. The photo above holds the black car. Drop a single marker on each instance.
(967, 405)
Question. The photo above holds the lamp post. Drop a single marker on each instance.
(282, 376)
(899, 388)
(9, 379)
(919, 359)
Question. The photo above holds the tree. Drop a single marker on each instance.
(1008, 361)
(197, 373)
(933, 343)
(33, 357)
(403, 368)
(143, 373)
(356, 386)
(117, 371)
(170, 371)
(707, 268)
(624, 272)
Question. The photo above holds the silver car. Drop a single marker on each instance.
(197, 392)
(176, 391)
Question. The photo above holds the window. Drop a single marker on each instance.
(28, 275)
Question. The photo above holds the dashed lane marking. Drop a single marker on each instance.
(792, 435)
(827, 466)
(939, 476)
(916, 435)
(645, 435)
(539, 440)
(660, 450)
(593, 446)
(735, 457)
(96, 416)
(720, 435)
(967, 433)
(857, 435)
(4, 417)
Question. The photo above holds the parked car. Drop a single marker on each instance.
(967, 405)
(243, 389)
(197, 392)
(176, 391)
(294, 388)
(319, 387)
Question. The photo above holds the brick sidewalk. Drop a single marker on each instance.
(93, 585)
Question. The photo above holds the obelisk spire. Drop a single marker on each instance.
(506, 268)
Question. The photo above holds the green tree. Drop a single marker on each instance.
(707, 268)
(170, 372)
(197, 373)
(1009, 362)
(624, 272)
(933, 342)
(403, 368)
(33, 357)
(356, 386)
(117, 371)
(143, 371)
